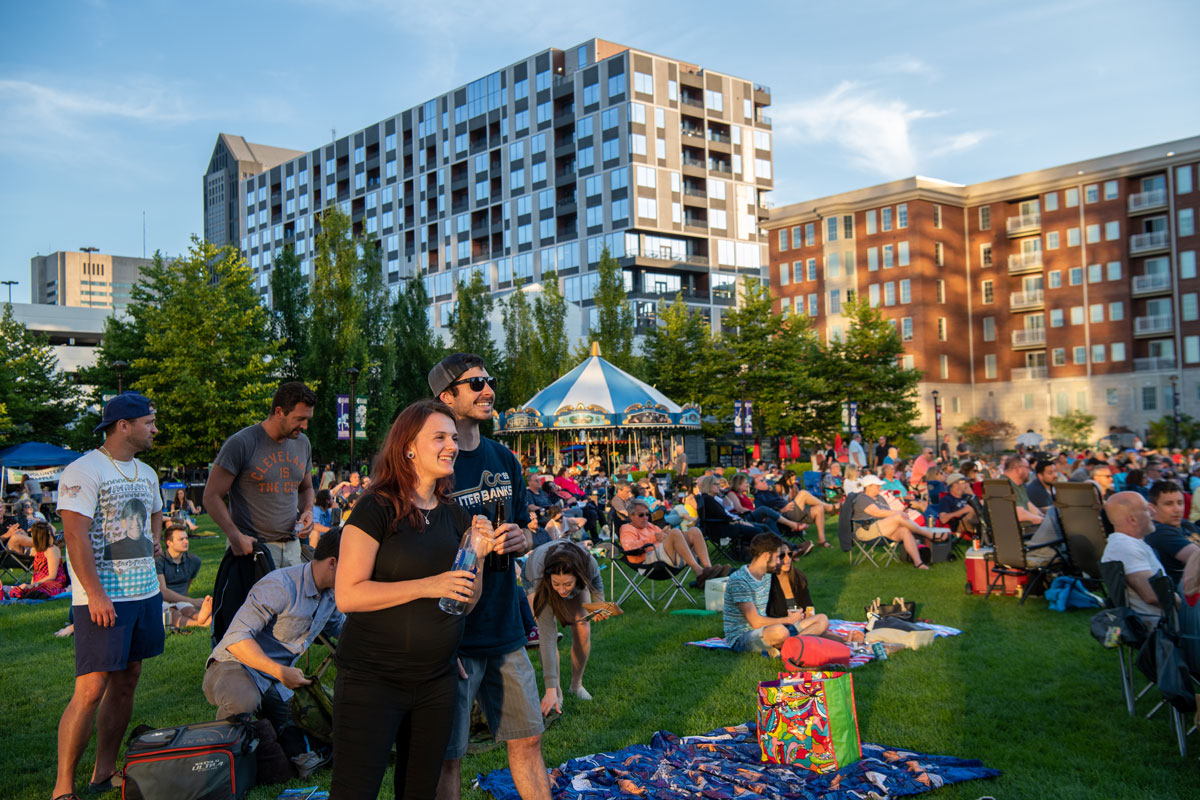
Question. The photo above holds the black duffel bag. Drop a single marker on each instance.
(205, 761)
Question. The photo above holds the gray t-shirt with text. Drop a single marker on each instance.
(268, 476)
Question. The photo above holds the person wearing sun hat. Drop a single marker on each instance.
(954, 508)
(874, 519)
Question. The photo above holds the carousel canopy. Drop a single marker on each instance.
(597, 394)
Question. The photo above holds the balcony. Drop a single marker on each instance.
(1030, 373)
(1154, 283)
(1143, 243)
(1024, 224)
(1025, 262)
(1029, 337)
(1152, 200)
(1153, 326)
(692, 133)
(1026, 301)
(1153, 364)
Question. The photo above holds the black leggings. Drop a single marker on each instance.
(370, 714)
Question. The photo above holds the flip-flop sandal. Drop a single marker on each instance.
(68, 796)
(549, 719)
(922, 566)
(106, 785)
(824, 544)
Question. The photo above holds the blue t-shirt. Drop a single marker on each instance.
(483, 477)
(948, 505)
(742, 587)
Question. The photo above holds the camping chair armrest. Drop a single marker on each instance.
(637, 551)
(1040, 545)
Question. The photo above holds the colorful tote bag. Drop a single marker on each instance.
(808, 720)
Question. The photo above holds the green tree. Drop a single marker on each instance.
(981, 432)
(379, 379)
(417, 349)
(865, 367)
(37, 401)
(551, 347)
(289, 317)
(678, 353)
(1163, 431)
(207, 357)
(1073, 428)
(519, 371)
(614, 318)
(337, 321)
(470, 324)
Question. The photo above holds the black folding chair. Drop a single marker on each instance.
(15, 568)
(1011, 556)
(1081, 523)
(724, 539)
(1161, 653)
(638, 575)
(1117, 591)
(861, 550)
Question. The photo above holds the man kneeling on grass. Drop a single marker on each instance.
(747, 629)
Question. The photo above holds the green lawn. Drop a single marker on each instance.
(1024, 689)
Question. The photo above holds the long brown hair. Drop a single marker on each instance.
(394, 475)
(563, 558)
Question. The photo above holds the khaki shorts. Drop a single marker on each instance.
(868, 532)
(658, 555)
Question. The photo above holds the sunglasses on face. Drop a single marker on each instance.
(641, 514)
(476, 384)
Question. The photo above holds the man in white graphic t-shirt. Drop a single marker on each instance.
(112, 515)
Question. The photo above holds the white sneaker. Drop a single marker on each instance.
(582, 693)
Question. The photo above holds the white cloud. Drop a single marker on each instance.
(877, 135)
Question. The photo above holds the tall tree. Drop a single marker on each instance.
(378, 381)
(520, 367)
(37, 401)
(417, 349)
(470, 324)
(614, 318)
(552, 347)
(865, 367)
(207, 358)
(335, 332)
(289, 317)
(678, 353)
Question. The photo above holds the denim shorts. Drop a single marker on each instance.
(137, 635)
(506, 686)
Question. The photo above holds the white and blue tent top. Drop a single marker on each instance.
(597, 394)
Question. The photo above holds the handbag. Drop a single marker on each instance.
(906, 610)
(809, 721)
(813, 652)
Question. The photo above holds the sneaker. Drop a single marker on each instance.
(582, 693)
(532, 640)
(804, 548)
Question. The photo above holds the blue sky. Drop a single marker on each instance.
(110, 108)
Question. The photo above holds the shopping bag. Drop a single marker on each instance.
(809, 720)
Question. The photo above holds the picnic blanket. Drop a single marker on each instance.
(15, 601)
(726, 763)
(842, 627)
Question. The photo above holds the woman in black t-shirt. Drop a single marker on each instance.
(396, 678)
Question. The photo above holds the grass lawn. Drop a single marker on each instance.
(1024, 689)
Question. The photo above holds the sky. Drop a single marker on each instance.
(109, 109)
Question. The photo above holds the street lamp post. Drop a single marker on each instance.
(1175, 410)
(353, 373)
(937, 422)
(9, 284)
(120, 367)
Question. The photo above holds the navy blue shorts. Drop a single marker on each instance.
(137, 635)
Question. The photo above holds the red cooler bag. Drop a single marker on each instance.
(812, 652)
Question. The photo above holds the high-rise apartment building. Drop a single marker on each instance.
(1022, 298)
(88, 279)
(540, 166)
(233, 160)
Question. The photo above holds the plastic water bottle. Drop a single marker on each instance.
(464, 559)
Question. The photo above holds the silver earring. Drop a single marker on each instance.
(411, 455)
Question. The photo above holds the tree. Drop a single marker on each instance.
(37, 401)
(678, 353)
(417, 349)
(470, 326)
(1073, 428)
(289, 318)
(614, 318)
(980, 432)
(551, 347)
(207, 357)
(519, 368)
(865, 366)
(379, 379)
(1163, 431)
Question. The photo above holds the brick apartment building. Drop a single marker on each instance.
(1073, 287)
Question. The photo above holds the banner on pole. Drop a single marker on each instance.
(853, 416)
(737, 417)
(360, 418)
(748, 412)
(343, 417)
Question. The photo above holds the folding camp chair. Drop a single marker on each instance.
(1011, 556)
(1113, 574)
(1082, 527)
(812, 483)
(724, 542)
(15, 568)
(859, 549)
(638, 575)
(1168, 634)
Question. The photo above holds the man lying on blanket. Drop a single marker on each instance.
(747, 591)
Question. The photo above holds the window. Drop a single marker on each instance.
(889, 294)
(1055, 279)
(1051, 201)
(988, 293)
(716, 191)
(833, 266)
(939, 254)
(762, 140)
(1076, 315)
(718, 219)
(989, 329)
(1027, 401)
(1075, 276)
(985, 255)
(1116, 310)
(812, 305)
(1191, 349)
(937, 216)
(714, 100)
(1096, 312)
(647, 176)
(1079, 355)
(810, 234)
(1112, 397)
(637, 144)
(888, 257)
(989, 366)
(873, 295)
(637, 113)
(524, 234)
(1072, 198)
(903, 253)
(1093, 234)
(1110, 190)
(902, 216)
(941, 291)
(1187, 264)
(660, 118)
(985, 218)
(835, 301)
(546, 229)
(831, 229)
(885, 217)
(848, 226)
(783, 239)
(1114, 270)
(905, 291)
(586, 157)
(1091, 193)
(1117, 351)
(1058, 357)
(812, 269)
(871, 221)
(784, 271)
(941, 323)
(1056, 318)
(595, 216)
(643, 83)
(872, 258)
(1188, 307)
(906, 329)
(1095, 273)
(1052, 240)
(672, 90)
(1149, 398)
(1187, 222)
(616, 85)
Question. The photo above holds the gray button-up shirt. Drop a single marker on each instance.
(284, 613)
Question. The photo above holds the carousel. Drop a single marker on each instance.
(598, 410)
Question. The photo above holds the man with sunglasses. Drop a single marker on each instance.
(488, 480)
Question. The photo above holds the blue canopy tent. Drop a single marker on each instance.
(38, 459)
(596, 402)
